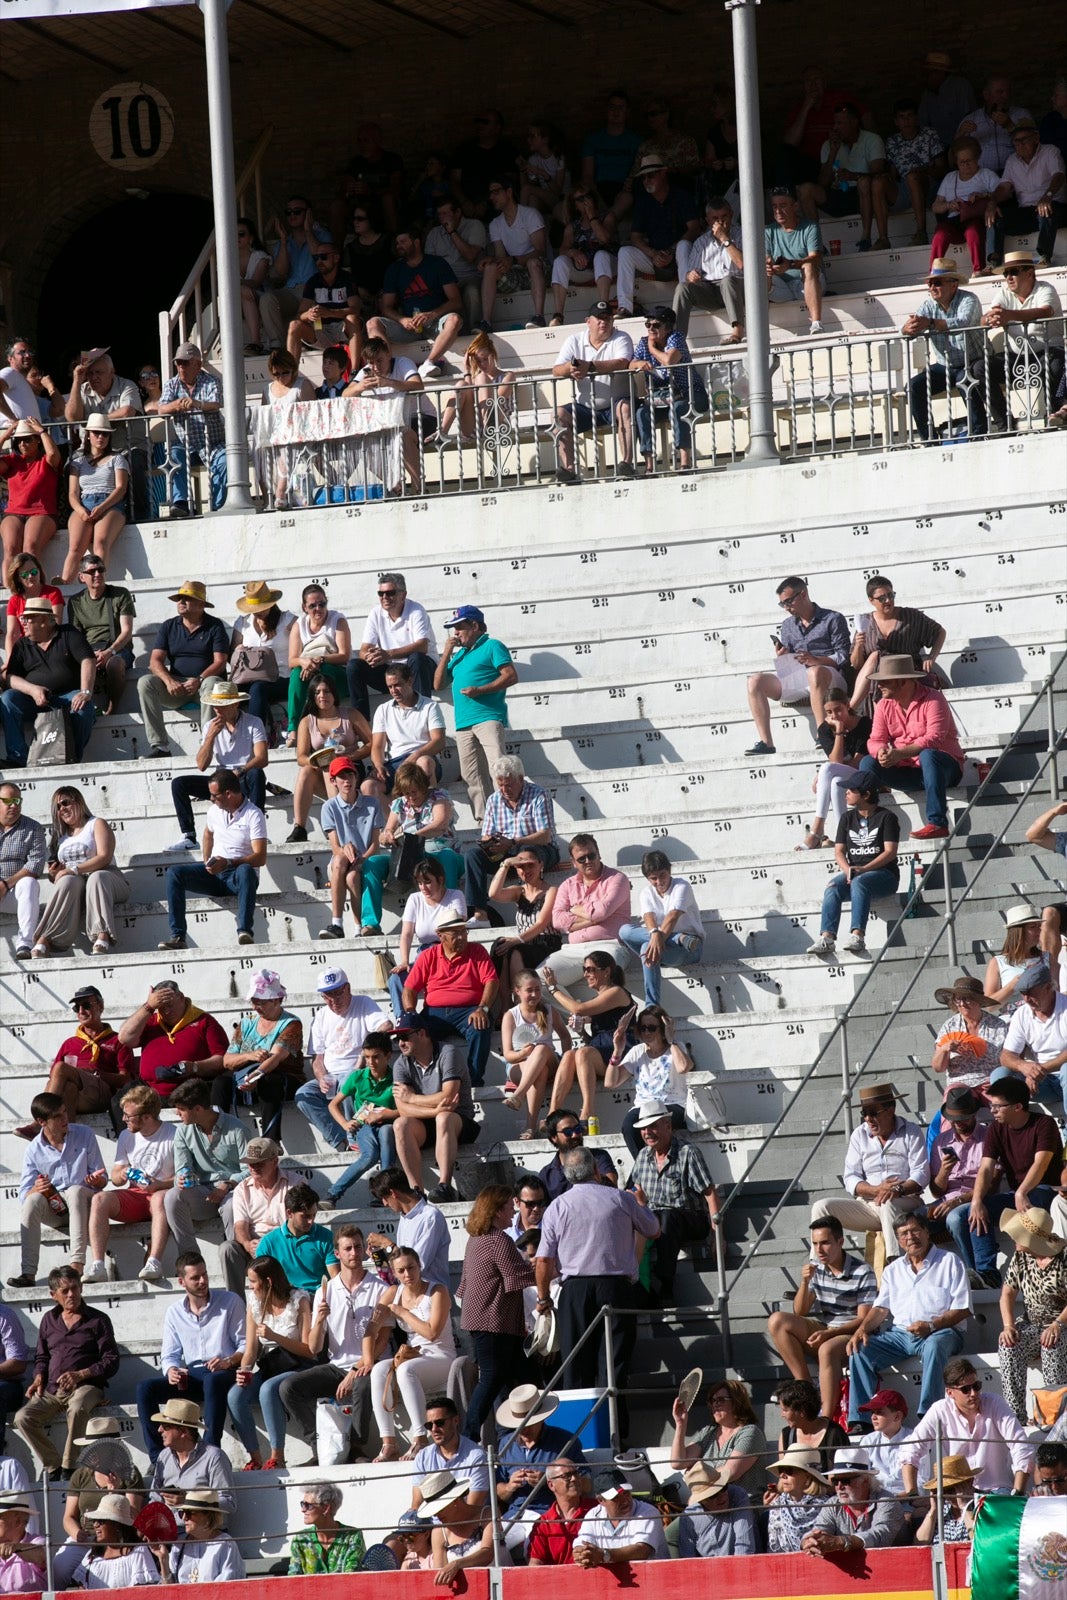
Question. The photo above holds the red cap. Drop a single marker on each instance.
(887, 1400)
(343, 764)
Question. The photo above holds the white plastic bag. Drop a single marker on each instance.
(333, 1432)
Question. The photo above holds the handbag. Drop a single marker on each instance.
(253, 663)
(1048, 1404)
(53, 741)
(384, 966)
(274, 1363)
(407, 1352)
(408, 851)
(476, 1172)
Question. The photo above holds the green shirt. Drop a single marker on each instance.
(97, 619)
(364, 1089)
(215, 1157)
(307, 1556)
(472, 668)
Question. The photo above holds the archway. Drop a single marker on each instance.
(113, 277)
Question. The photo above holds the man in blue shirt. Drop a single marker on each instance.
(203, 1342)
(420, 300)
(358, 867)
(665, 214)
(947, 308)
(530, 1445)
(304, 1249)
(193, 397)
(609, 153)
(60, 1170)
(813, 649)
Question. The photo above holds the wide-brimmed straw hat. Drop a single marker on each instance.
(224, 693)
(895, 669)
(192, 589)
(1034, 1231)
(97, 1428)
(955, 1474)
(1018, 258)
(113, 1508)
(440, 1489)
(257, 597)
(522, 1410)
(180, 1414)
(798, 1459)
(702, 1484)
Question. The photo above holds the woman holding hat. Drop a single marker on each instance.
(1037, 1271)
(97, 482)
(86, 1489)
(323, 734)
(86, 884)
(266, 1051)
(118, 1559)
(866, 851)
(463, 1538)
(956, 1052)
(262, 628)
(798, 1495)
(32, 471)
(958, 1508)
(1020, 952)
(207, 1554)
(735, 1443)
(24, 577)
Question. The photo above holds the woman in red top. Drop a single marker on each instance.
(33, 473)
(495, 1273)
(25, 578)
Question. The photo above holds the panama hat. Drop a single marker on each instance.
(894, 669)
(113, 1508)
(97, 1428)
(38, 605)
(201, 1500)
(1033, 1230)
(257, 597)
(224, 693)
(876, 1094)
(650, 1112)
(441, 1489)
(1018, 258)
(955, 1474)
(702, 1484)
(23, 430)
(800, 1460)
(98, 422)
(180, 1414)
(1019, 916)
(192, 589)
(521, 1408)
(945, 267)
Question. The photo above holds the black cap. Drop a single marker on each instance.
(961, 1100)
(864, 781)
(88, 991)
(600, 308)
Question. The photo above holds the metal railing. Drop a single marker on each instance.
(1044, 700)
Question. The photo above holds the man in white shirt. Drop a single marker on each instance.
(142, 1172)
(1034, 178)
(1036, 1041)
(886, 1170)
(341, 1317)
(258, 1208)
(17, 399)
(1031, 315)
(233, 739)
(397, 632)
(461, 242)
(619, 1528)
(202, 1346)
(711, 271)
(234, 847)
(854, 177)
(994, 121)
(406, 727)
(335, 1044)
(516, 258)
(980, 1427)
(670, 930)
(926, 1296)
(592, 359)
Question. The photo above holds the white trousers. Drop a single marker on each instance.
(27, 908)
(563, 268)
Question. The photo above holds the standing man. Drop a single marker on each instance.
(672, 1181)
(193, 397)
(813, 649)
(421, 1227)
(335, 1045)
(592, 907)
(946, 99)
(22, 863)
(234, 849)
(608, 154)
(714, 276)
(886, 1170)
(480, 671)
(432, 1090)
(17, 398)
(518, 816)
(982, 1428)
(76, 1357)
(191, 651)
(202, 1347)
(833, 1297)
(258, 1206)
(61, 1170)
(234, 739)
(914, 743)
(397, 633)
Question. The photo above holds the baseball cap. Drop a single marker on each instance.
(864, 782)
(1035, 978)
(610, 1483)
(332, 978)
(408, 1022)
(960, 1100)
(343, 764)
(88, 991)
(466, 614)
(260, 1150)
(600, 308)
(887, 1400)
(187, 351)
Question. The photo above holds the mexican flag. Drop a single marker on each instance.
(1020, 1548)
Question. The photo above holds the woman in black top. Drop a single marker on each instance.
(535, 939)
(892, 630)
(843, 736)
(600, 1016)
(866, 852)
(804, 1428)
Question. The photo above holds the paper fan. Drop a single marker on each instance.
(110, 1457)
(965, 1044)
(156, 1523)
(689, 1387)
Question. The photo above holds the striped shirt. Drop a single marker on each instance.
(679, 1183)
(838, 1294)
(495, 1272)
(22, 846)
(532, 814)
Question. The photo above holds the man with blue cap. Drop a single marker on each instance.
(480, 671)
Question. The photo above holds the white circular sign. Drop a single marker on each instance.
(131, 126)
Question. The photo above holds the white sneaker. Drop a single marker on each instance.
(478, 920)
(429, 369)
(175, 849)
(151, 1271)
(855, 944)
(95, 1272)
(816, 327)
(822, 946)
(101, 945)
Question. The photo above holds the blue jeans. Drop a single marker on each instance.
(480, 866)
(261, 696)
(242, 881)
(209, 1388)
(977, 1251)
(861, 891)
(935, 772)
(377, 1147)
(239, 1403)
(635, 937)
(879, 1351)
(442, 1020)
(647, 415)
(16, 707)
(315, 1106)
(179, 483)
(195, 786)
(920, 393)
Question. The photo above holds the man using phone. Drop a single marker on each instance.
(794, 257)
(813, 649)
(955, 1157)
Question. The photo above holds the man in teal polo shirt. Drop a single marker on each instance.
(481, 671)
(304, 1249)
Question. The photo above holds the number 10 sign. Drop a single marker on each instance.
(131, 126)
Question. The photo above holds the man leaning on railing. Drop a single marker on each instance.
(194, 399)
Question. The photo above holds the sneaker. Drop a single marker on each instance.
(479, 919)
(186, 842)
(535, 322)
(95, 1272)
(856, 944)
(760, 748)
(244, 937)
(881, 244)
(177, 943)
(816, 327)
(22, 952)
(556, 321)
(152, 1270)
(158, 752)
(429, 369)
(822, 945)
(41, 949)
(179, 509)
(443, 1191)
(625, 469)
(334, 931)
(931, 831)
(863, 245)
(298, 835)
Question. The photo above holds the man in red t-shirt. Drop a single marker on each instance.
(553, 1534)
(460, 984)
(177, 1041)
(90, 1067)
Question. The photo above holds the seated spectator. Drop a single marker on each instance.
(591, 908)
(463, 1537)
(302, 1247)
(430, 904)
(24, 577)
(946, 308)
(994, 122)
(925, 1292)
(420, 300)
(253, 263)
(809, 123)
(407, 727)
(526, 1043)
(664, 219)
(609, 153)
(326, 734)
(809, 660)
(710, 272)
(365, 1108)
(587, 250)
(619, 1528)
(266, 1051)
(608, 1013)
(534, 939)
(343, 1340)
(260, 636)
(516, 258)
(1037, 1270)
(891, 629)
(275, 1343)
(193, 398)
(432, 187)
(373, 177)
(964, 203)
(866, 852)
(291, 266)
(1050, 1467)
(104, 612)
(843, 737)
(421, 1225)
(670, 388)
(50, 667)
(971, 1020)
(794, 257)
(853, 178)
(421, 1311)
(323, 1544)
(61, 1169)
(835, 1292)
(657, 1064)
(863, 1517)
(398, 633)
(718, 1521)
(564, 1133)
(518, 816)
(1031, 315)
(424, 814)
(176, 1039)
(495, 1277)
(98, 480)
(476, 160)
(955, 1523)
(980, 1427)
(461, 242)
(234, 849)
(916, 158)
(191, 650)
(75, 1358)
(207, 1554)
(887, 1410)
(209, 1146)
(32, 472)
(336, 372)
(592, 359)
(142, 1173)
(383, 376)
(551, 1541)
(22, 1559)
(285, 387)
(804, 1425)
(432, 1089)
(886, 1170)
(22, 857)
(449, 1452)
(202, 1348)
(914, 743)
(186, 1460)
(1053, 919)
(14, 1359)
(117, 1559)
(479, 670)
(534, 1457)
(335, 1044)
(672, 1180)
(485, 386)
(671, 925)
(329, 309)
(955, 1158)
(234, 739)
(358, 866)
(92, 1066)
(460, 985)
(320, 644)
(1020, 954)
(1023, 1150)
(947, 97)
(97, 389)
(798, 1496)
(258, 1207)
(544, 174)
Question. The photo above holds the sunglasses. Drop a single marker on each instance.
(789, 600)
(969, 1388)
(295, 211)
(889, 595)
(319, 259)
(532, 1205)
(386, 594)
(316, 605)
(874, 1112)
(81, 1005)
(1016, 272)
(29, 572)
(649, 1027)
(4, 801)
(144, 376)
(581, 860)
(87, 570)
(438, 1422)
(568, 1133)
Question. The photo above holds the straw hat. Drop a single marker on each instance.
(955, 1474)
(1019, 258)
(877, 1094)
(1019, 916)
(192, 589)
(180, 1414)
(202, 1500)
(98, 422)
(801, 1460)
(113, 1508)
(14, 1502)
(23, 430)
(702, 1484)
(521, 1410)
(97, 1428)
(848, 1463)
(895, 669)
(441, 1489)
(224, 693)
(650, 1112)
(38, 605)
(939, 60)
(962, 989)
(1033, 1231)
(257, 597)
(945, 267)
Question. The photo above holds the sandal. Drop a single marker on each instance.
(382, 1457)
(529, 1134)
(253, 1464)
(274, 1463)
(556, 321)
(812, 841)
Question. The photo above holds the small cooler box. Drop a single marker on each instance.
(573, 1406)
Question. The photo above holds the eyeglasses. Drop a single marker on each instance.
(360, 216)
(295, 211)
(386, 594)
(316, 605)
(719, 1400)
(788, 600)
(968, 1388)
(565, 1477)
(87, 570)
(1053, 1483)
(64, 805)
(591, 856)
(874, 1112)
(327, 257)
(570, 1132)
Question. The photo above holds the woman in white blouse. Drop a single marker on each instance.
(83, 876)
(657, 1064)
(263, 626)
(430, 904)
(320, 640)
(422, 1365)
(277, 1332)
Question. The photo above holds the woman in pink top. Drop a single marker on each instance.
(914, 744)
